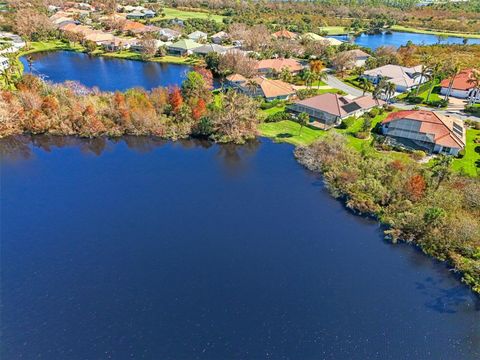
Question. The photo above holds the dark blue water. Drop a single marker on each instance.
(143, 249)
(105, 73)
(398, 39)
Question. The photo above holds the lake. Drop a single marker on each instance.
(398, 39)
(145, 249)
(108, 74)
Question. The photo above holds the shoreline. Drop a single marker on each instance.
(458, 274)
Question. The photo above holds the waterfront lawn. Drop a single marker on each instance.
(171, 13)
(333, 30)
(434, 32)
(133, 55)
(470, 163)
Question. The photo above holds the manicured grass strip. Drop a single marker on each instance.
(435, 32)
(334, 30)
(171, 13)
(468, 164)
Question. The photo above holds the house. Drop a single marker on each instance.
(208, 48)
(462, 86)
(426, 130)
(261, 86)
(4, 64)
(118, 43)
(136, 15)
(404, 78)
(359, 56)
(272, 66)
(328, 110)
(220, 37)
(198, 36)
(183, 47)
(284, 34)
(168, 34)
(328, 40)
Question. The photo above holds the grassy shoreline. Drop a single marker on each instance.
(434, 32)
(57, 45)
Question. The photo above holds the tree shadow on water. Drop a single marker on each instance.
(444, 299)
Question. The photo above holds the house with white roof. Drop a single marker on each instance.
(404, 78)
(198, 36)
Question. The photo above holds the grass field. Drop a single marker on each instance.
(468, 164)
(334, 30)
(433, 32)
(171, 13)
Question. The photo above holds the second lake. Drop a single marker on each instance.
(105, 73)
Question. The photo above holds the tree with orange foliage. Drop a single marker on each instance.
(199, 109)
(415, 187)
(175, 98)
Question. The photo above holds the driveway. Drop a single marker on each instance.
(333, 82)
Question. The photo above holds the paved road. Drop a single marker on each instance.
(338, 84)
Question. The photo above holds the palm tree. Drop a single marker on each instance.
(475, 81)
(251, 86)
(441, 169)
(435, 69)
(285, 74)
(303, 119)
(365, 85)
(379, 89)
(390, 89)
(426, 70)
(452, 71)
(307, 76)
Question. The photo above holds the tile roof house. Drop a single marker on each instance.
(183, 47)
(329, 40)
(208, 48)
(328, 110)
(261, 86)
(219, 37)
(426, 130)
(198, 36)
(462, 87)
(360, 56)
(167, 34)
(404, 78)
(284, 34)
(270, 66)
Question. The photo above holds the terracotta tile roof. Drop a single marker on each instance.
(284, 34)
(339, 105)
(440, 126)
(274, 88)
(236, 78)
(278, 64)
(461, 82)
(133, 26)
(358, 53)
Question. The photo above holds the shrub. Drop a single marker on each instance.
(346, 123)
(279, 116)
(437, 103)
(418, 155)
(461, 153)
(269, 104)
(414, 99)
(374, 112)
(361, 134)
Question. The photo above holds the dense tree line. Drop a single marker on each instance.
(37, 107)
(429, 206)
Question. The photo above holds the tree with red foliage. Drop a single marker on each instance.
(199, 109)
(416, 187)
(175, 98)
(206, 74)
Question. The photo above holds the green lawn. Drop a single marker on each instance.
(171, 13)
(334, 30)
(289, 131)
(468, 163)
(133, 55)
(434, 32)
